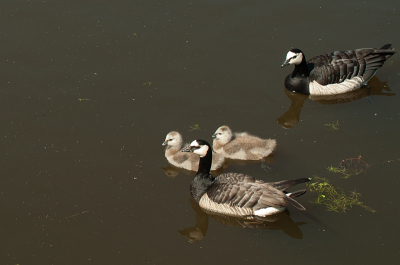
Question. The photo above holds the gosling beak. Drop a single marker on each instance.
(286, 63)
(214, 136)
(164, 143)
(186, 149)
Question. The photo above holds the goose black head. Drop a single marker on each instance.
(199, 147)
(294, 56)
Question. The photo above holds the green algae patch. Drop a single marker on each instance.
(334, 198)
(333, 126)
(350, 167)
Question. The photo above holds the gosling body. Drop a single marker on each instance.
(241, 146)
(336, 72)
(189, 161)
(236, 194)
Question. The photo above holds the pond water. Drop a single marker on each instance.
(89, 90)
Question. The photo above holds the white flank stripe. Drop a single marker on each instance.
(332, 89)
(268, 211)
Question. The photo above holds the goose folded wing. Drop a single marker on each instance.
(237, 178)
(247, 195)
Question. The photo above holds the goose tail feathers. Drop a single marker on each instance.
(295, 193)
(285, 184)
(376, 59)
(295, 203)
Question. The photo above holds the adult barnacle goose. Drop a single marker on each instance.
(236, 194)
(174, 143)
(336, 72)
(242, 145)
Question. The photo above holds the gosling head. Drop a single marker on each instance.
(223, 135)
(294, 56)
(199, 147)
(173, 139)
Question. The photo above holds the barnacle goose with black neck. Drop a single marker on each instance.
(237, 194)
(174, 143)
(336, 72)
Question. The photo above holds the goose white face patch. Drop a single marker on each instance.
(194, 143)
(290, 55)
(295, 58)
(202, 151)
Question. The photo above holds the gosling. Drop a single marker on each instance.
(242, 146)
(189, 161)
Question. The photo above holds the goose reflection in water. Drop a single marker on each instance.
(291, 117)
(281, 221)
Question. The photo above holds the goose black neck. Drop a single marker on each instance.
(301, 69)
(205, 163)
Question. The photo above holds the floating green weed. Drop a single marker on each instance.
(341, 171)
(333, 126)
(350, 167)
(194, 127)
(333, 198)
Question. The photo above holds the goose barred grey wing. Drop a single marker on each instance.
(240, 195)
(237, 178)
(336, 67)
(245, 193)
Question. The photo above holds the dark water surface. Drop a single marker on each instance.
(89, 90)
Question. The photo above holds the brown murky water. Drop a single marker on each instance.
(89, 89)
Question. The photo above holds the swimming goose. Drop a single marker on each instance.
(336, 72)
(242, 145)
(189, 161)
(237, 194)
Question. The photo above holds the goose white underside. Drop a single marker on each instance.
(206, 203)
(268, 211)
(332, 89)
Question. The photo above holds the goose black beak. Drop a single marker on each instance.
(164, 143)
(186, 149)
(286, 63)
(214, 136)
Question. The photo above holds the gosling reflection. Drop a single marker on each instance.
(281, 221)
(292, 115)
